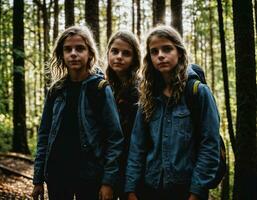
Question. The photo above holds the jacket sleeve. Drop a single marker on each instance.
(114, 139)
(42, 141)
(207, 160)
(137, 153)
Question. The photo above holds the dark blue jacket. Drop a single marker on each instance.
(103, 137)
(175, 154)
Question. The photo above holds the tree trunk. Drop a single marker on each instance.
(176, 15)
(92, 17)
(138, 19)
(133, 16)
(245, 180)
(225, 76)
(225, 181)
(56, 20)
(19, 107)
(69, 13)
(158, 12)
(109, 19)
(211, 46)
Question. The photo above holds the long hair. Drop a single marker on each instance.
(152, 83)
(57, 66)
(132, 75)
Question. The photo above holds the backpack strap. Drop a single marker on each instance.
(101, 84)
(195, 87)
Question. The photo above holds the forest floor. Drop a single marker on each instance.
(15, 176)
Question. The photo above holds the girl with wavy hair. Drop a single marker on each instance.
(124, 57)
(164, 149)
(73, 156)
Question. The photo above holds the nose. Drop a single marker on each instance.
(160, 54)
(119, 55)
(73, 52)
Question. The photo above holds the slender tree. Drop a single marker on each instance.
(56, 19)
(46, 27)
(92, 17)
(109, 18)
(158, 12)
(19, 106)
(245, 180)
(133, 16)
(176, 15)
(69, 13)
(211, 45)
(138, 19)
(225, 75)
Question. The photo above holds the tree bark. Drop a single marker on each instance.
(225, 75)
(69, 13)
(56, 20)
(92, 17)
(109, 19)
(19, 107)
(176, 15)
(138, 19)
(245, 179)
(158, 12)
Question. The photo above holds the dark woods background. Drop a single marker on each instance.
(220, 36)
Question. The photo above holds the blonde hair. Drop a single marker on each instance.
(132, 75)
(152, 83)
(57, 66)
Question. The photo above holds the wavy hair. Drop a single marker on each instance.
(57, 66)
(132, 75)
(152, 83)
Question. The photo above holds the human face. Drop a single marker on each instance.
(76, 55)
(164, 54)
(120, 57)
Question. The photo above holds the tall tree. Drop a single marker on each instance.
(69, 13)
(255, 12)
(92, 17)
(56, 20)
(138, 19)
(46, 28)
(211, 45)
(225, 75)
(133, 16)
(19, 107)
(245, 180)
(225, 185)
(109, 18)
(158, 12)
(176, 15)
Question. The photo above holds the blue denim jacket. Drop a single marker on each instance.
(173, 154)
(90, 133)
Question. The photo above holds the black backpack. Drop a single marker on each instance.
(191, 94)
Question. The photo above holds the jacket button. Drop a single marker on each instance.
(84, 145)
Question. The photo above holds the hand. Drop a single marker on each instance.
(38, 190)
(106, 192)
(193, 197)
(132, 196)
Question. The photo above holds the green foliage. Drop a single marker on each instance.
(5, 133)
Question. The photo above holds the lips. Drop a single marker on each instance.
(118, 63)
(74, 62)
(163, 64)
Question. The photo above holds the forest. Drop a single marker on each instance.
(220, 36)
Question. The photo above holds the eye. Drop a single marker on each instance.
(114, 51)
(80, 48)
(154, 51)
(66, 49)
(167, 49)
(126, 53)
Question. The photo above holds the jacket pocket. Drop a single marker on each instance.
(183, 123)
